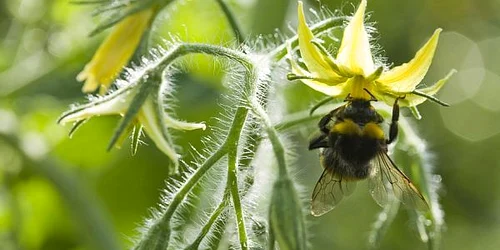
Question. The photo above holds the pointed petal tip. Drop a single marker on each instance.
(436, 34)
(300, 14)
(415, 112)
(363, 4)
(300, 9)
(360, 12)
(354, 52)
(194, 126)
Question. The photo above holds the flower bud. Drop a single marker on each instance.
(286, 218)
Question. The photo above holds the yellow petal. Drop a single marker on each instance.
(331, 90)
(115, 52)
(313, 59)
(411, 99)
(182, 125)
(414, 100)
(354, 52)
(158, 133)
(406, 77)
(116, 105)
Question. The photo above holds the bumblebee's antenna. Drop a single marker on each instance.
(374, 99)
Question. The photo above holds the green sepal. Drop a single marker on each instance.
(76, 126)
(415, 112)
(144, 90)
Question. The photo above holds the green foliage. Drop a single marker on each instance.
(242, 182)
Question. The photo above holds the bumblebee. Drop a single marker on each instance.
(353, 147)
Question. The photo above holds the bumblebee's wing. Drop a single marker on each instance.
(328, 192)
(388, 179)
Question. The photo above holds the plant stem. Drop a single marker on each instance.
(232, 21)
(297, 119)
(158, 235)
(287, 222)
(232, 179)
(278, 149)
(213, 218)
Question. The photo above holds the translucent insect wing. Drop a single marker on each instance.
(329, 191)
(387, 180)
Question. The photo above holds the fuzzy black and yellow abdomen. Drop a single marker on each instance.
(348, 127)
(351, 149)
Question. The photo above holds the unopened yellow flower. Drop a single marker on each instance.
(353, 70)
(151, 116)
(115, 52)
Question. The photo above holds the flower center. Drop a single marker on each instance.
(360, 87)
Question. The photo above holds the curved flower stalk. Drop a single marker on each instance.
(353, 71)
(139, 104)
(115, 52)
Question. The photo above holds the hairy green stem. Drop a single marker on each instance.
(232, 21)
(216, 238)
(297, 119)
(213, 219)
(232, 180)
(278, 148)
(285, 212)
(158, 235)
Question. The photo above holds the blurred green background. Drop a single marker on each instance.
(44, 44)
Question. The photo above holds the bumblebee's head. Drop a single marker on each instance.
(357, 106)
(361, 111)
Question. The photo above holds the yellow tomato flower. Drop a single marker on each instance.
(353, 70)
(151, 116)
(115, 52)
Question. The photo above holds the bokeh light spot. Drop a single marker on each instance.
(488, 96)
(463, 54)
(470, 121)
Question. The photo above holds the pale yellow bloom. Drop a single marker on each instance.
(151, 116)
(353, 69)
(115, 51)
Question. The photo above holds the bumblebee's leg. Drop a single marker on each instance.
(324, 122)
(326, 119)
(318, 141)
(393, 129)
